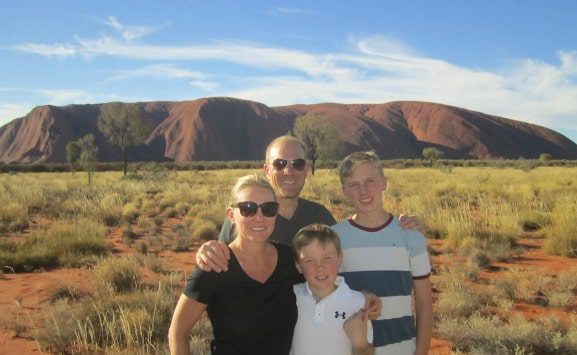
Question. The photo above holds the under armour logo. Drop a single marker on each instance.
(337, 315)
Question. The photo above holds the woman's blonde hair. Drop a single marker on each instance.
(243, 182)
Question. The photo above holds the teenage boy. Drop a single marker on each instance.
(286, 169)
(331, 318)
(382, 258)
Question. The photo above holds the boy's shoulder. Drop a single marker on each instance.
(342, 293)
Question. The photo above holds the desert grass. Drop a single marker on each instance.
(64, 243)
(481, 212)
(480, 334)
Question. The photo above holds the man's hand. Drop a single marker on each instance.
(412, 223)
(213, 256)
(373, 305)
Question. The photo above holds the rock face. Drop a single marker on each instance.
(233, 129)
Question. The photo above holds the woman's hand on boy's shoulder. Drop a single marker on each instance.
(412, 223)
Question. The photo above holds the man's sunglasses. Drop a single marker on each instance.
(297, 164)
(249, 208)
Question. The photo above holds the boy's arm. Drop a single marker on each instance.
(424, 314)
(373, 305)
(356, 329)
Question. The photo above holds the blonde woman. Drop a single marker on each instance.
(251, 306)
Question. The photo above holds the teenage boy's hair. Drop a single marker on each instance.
(319, 232)
(351, 161)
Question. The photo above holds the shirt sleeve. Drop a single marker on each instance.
(226, 232)
(419, 256)
(369, 331)
(198, 286)
(326, 217)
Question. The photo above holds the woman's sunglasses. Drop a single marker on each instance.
(249, 208)
(297, 164)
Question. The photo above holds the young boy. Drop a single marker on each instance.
(330, 315)
(382, 258)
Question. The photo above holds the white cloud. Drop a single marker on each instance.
(205, 85)
(8, 112)
(55, 50)
(293, 11)
(380, 69)
(158, 71)
(128, 32)
(65, 97)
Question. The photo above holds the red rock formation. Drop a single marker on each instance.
(233, 129)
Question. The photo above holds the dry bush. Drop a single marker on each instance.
(65, 243)
(562, 233)
(129, 322)
(117, 275)
(13, 217)
(491, 335)
(130, 213)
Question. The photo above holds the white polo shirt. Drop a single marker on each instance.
(319, 329)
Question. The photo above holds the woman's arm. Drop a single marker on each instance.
(186, 314)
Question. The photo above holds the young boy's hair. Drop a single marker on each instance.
(319, 232)
(351, 161)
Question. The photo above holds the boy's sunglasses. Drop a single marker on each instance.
(249, 208)
(297, 164)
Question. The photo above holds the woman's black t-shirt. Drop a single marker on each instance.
(248, 317)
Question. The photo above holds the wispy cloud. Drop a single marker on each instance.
(128, 32)
(8, 111)
(48, 50)
(380, 68)
(65, 97)
(293, 11)
(168, 72)
(158, 71)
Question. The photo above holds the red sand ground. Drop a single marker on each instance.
(26, 294)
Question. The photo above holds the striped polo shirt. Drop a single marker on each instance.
(385, 260)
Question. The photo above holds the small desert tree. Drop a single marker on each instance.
(73, 151)
(545, 157)
(320, 137)
(124, 126)
(87, 158)
(432, 154)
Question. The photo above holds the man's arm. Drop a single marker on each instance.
(213, 255)
(424, 314)
(412, 223)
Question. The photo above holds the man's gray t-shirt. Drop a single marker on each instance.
(307, 212)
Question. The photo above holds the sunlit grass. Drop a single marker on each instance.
(55, 219)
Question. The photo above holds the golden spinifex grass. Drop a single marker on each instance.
(55, 219)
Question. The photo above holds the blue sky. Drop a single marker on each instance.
(516, 59)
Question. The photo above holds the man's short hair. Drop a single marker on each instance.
(319, 232)
(351, 161)
(286, 139)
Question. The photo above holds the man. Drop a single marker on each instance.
(286, 169)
